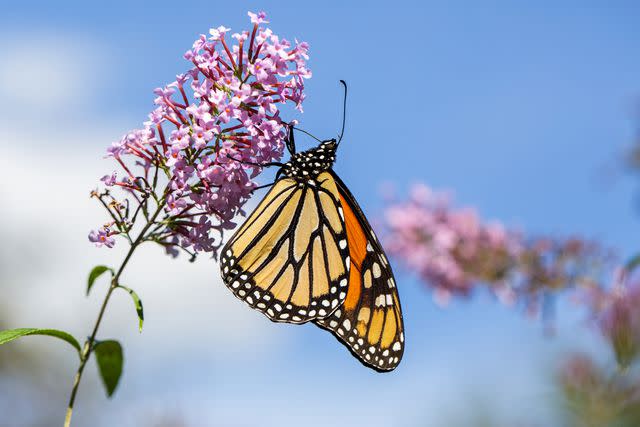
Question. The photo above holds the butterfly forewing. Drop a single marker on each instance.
(369, 322)
(290, 259)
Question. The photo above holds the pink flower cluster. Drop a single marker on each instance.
(225, 111)
(597, 395)
(606, 394)
(449, 249)
(616, 311)
(454, 251)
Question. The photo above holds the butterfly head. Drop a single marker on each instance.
(310, 163)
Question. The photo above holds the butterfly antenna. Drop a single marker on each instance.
(307, 133)
(344, 110)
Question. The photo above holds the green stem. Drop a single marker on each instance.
(88, 345)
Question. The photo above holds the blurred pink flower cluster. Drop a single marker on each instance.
(616, 312)
(449, 249)
(189, 156)
(597, 395)
(453, 251)
(603, 395)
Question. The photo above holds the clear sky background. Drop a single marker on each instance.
(522, 109)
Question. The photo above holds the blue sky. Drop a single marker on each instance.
(523, 110)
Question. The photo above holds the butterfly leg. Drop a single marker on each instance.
(290, 141)
(278, 174)
(260, 187)
(262, 165)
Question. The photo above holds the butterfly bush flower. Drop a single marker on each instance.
(102, 237)
(453, 251)
(616, 312)
(547, 266)
(607, 394)
(194, 157)
(596, 395)
(448, 249)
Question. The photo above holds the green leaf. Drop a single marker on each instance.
(109, 357)
(97, 271)
(11, 334)
(138, 304)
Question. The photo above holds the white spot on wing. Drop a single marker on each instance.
(376, 270)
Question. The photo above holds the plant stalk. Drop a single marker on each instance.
(88, 345)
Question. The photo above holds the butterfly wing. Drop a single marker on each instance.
(290, 258)
(369, 322)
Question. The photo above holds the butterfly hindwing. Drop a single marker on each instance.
(369, 322)
(290, 258)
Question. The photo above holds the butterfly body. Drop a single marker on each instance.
(308, 254)
(310, 163)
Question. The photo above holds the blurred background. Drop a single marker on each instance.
(523, 111)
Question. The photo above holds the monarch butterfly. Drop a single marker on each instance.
(307, 253)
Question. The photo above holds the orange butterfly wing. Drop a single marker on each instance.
(369, 322)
